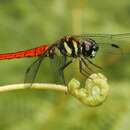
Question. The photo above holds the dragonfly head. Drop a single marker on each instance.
(89, 48)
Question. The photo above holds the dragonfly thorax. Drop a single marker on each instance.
(71, 47)
(89, 48)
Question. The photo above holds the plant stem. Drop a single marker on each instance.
(93, 94)
(35, 86)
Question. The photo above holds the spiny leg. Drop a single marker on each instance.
(61, 70)
(94, 64)
(86, 65)
(82, 70)
(64, 65)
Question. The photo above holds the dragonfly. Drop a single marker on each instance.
(83, 47)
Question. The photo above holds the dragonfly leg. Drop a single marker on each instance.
(63, 67)
(86, 65)
(94, 64)
(82, 70)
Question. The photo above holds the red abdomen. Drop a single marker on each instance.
(27, 53)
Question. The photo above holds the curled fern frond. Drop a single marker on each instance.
(94, 92)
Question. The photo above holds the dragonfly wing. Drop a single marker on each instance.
(113, 49)
(109, 43)
(110, 36)
(32, 70)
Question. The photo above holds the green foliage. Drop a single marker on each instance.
(27, 24)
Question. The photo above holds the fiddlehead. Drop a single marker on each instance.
(95, 91)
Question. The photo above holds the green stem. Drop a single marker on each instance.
(36, 86)
(94, 92)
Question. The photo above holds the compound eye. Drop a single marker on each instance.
(88, 45)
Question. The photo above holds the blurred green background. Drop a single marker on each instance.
(25, 24)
